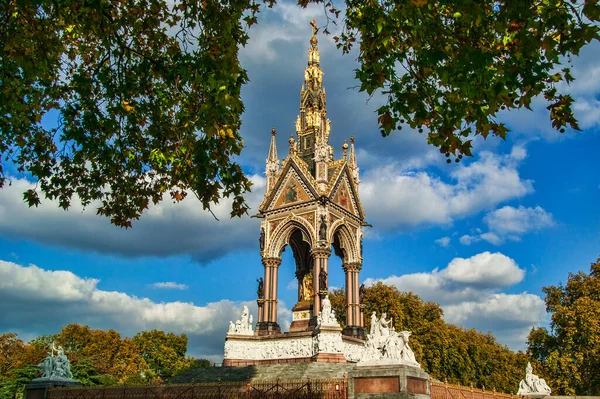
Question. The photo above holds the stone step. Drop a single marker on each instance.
(293, 371)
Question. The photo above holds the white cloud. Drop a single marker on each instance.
(396, 199)
(170, 285)
(484, 270)
(165, 229)
(521, 220)
(510, 223)
(35, 301)
(468, 289)
(285, 23)
(443, 242)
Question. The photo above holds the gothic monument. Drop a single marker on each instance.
(312, 204)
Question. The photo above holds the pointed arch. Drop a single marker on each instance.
(344, 242)
(281, 235)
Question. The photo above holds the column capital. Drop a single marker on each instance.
(271, 262)
(321, 252)
(352, 267)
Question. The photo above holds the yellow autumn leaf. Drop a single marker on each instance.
(127, 106)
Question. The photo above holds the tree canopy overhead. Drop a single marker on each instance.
(146, 93)
(451, 66)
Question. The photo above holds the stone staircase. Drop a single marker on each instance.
(292, 371)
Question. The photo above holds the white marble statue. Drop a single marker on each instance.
(55, 367)
(374, 330)
(242, 326)
(386, 346)
(326, 316)
(532, 385)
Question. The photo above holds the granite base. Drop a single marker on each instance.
(388, 381)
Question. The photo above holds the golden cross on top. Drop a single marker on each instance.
(315, 29)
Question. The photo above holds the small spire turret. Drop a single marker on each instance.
(272, 161)
(352, 162)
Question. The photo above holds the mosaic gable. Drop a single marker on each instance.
(343, 197)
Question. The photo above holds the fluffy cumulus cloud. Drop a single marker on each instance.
(164, 229)
(510, 223)
(470, 292)
(396, 199)
(35, 301)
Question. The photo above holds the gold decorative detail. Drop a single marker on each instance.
(352, 267)
(320, 253)
(306, 287)
(274, 225)
(309, 217)
(271, 262)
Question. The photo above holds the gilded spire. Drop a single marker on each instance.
(313, 52)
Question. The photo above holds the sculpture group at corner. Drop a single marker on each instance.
(532, 385)
(56, 367)
(243, 326)
(385, 345)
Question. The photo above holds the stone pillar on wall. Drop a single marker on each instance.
(321, 262)
(354, 319)
(267, 314)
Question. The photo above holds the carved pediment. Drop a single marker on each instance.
(293, 186)
(344, 193)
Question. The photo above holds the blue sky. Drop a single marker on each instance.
(481, 237)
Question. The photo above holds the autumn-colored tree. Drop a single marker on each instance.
(11, 353)
(146, 94)
(106, 351)
(568, 355)
(164, 353)
(446, 351)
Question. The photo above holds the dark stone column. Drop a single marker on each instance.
(267, 314)
(354, 320)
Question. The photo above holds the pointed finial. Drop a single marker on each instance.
(352, 159)
(273, 131)
(315, 29)
(345, 149)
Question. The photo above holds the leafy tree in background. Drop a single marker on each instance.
(146, 93)
(13, 387)
(86, 374)
(163, 353)
(569, 354)
(11, 349)
(444, 350)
